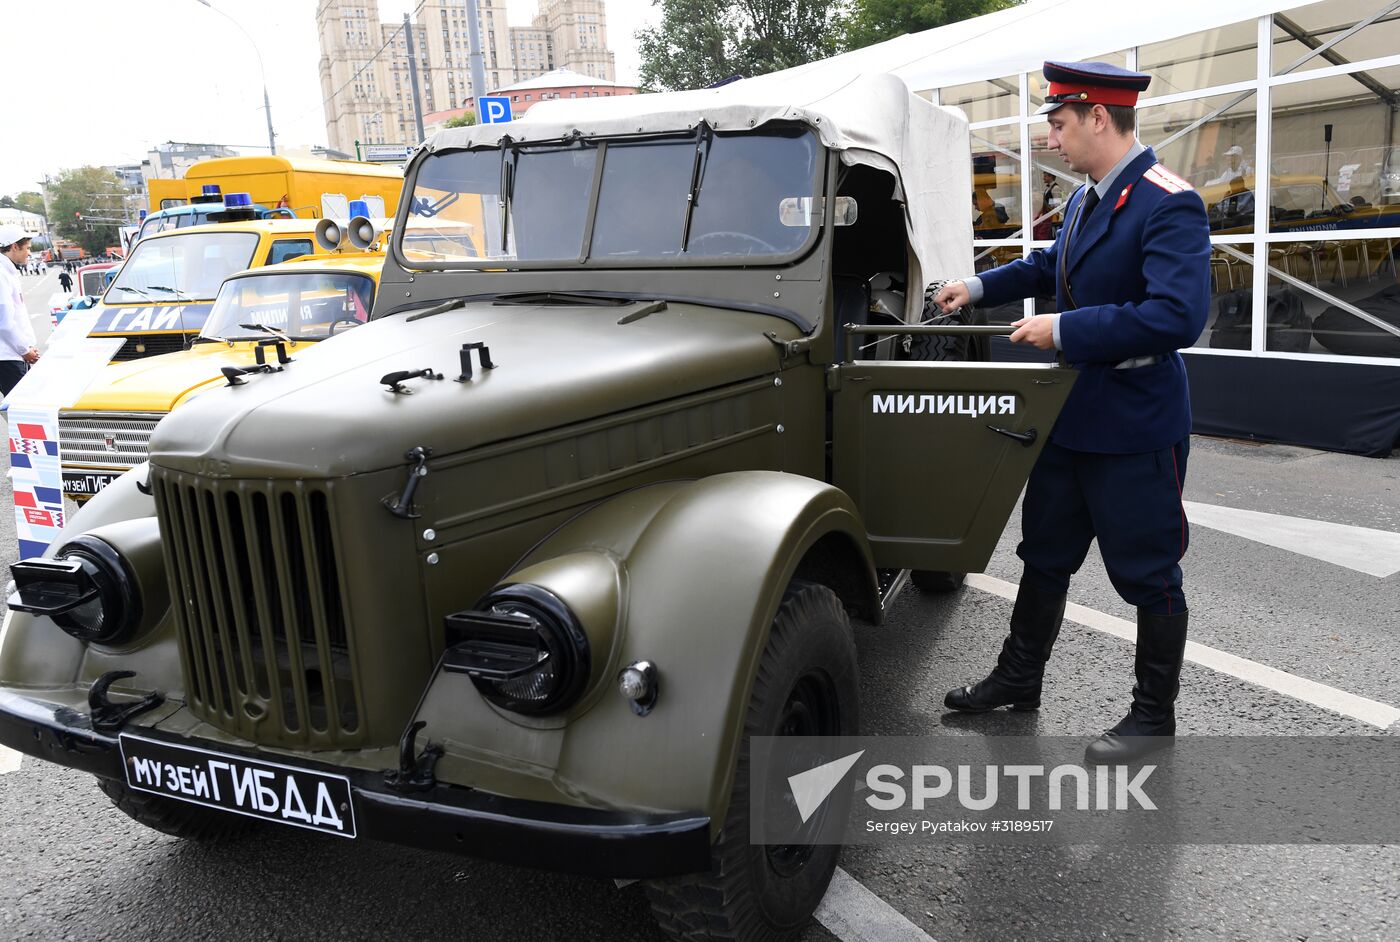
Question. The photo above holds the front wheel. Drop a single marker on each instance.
(806, 685)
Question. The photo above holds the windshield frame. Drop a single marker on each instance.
(268, 272)
(496, 265)
(170, 298)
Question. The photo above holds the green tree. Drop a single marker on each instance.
(30, 202)
(461, 121)
(88, 206)
(873, 21)
(699, 42)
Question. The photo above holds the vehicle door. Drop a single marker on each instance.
(935, 454)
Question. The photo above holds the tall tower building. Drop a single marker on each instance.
(364, 63)
(446, 69)
(578, 31)
(354, 90)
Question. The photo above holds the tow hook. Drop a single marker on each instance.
(108, 717)
(416, 770)
(403, 507)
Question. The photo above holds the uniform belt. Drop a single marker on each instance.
(1136, 362)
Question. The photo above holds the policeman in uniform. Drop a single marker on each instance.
(1130, 272)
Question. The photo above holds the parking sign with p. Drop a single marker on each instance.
(494, 110)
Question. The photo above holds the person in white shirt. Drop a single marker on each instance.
(17, 343)
(1236, 167)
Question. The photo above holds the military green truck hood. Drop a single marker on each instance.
(327, 414)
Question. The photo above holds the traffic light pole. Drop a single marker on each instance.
(413, 76)
(474, 57)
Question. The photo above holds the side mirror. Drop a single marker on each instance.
(803, 211)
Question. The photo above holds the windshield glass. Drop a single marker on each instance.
(531, 203)
(305, 306)
(187, 267)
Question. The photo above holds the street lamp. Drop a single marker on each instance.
(267, 106)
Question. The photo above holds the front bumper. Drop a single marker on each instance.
(447, 818)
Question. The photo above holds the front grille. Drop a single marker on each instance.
(258, 595)
(106, 439)
(151, 345)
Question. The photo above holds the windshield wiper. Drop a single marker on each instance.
(561, 297)
(212, 338)
(697, 177)
(442, 308)
(179, 295)
(507, 194)
(136, 290)
(280, 334)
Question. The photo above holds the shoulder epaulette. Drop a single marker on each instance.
(1161, 176)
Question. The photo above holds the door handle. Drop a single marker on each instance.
(1026, 438)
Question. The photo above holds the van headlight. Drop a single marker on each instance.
(522, 647)
(86, 588)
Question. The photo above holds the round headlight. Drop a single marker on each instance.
(114, 613)
(561, 652)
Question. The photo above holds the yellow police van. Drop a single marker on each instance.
(160, 299)
(259, 318)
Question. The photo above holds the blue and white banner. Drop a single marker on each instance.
(71, 362)
(37, 478)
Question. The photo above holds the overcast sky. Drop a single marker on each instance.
(106, 80)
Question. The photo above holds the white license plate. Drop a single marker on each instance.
(268, 791)
(86, 483)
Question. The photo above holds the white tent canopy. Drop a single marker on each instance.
(1020, 39)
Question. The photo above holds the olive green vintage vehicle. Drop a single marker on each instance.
(518, 568)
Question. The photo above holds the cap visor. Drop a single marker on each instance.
(1049, 106)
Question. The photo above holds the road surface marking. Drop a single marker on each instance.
(1374, 552)
(854, 914)
(1270, 678)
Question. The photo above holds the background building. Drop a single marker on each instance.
(559, 83)
(1284, 117)
(364, 65)
(34, 225)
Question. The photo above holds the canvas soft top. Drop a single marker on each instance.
(868, 119)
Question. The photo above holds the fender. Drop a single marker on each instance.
(690, 575)
(37, 653)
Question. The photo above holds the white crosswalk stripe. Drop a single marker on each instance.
(1382, 715)
(1374, 552)
(852, 913)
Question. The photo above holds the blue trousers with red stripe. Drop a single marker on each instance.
(1130, 503)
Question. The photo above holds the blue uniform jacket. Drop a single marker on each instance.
(1139, 271)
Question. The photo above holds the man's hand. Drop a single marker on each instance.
(32, 356)
(952, 296)
(1038, 331)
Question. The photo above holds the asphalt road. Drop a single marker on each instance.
(75, 868)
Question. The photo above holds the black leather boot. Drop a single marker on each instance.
(1151, 721)
(1015, 681)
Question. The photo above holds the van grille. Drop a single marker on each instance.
(151, 345)
(260, 608)
(106, 439)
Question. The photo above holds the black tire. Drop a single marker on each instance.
(177, 818)
(933, 348)
(934, 581)
(745, 897)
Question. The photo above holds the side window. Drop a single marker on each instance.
(285, 249)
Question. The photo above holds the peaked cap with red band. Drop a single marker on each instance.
(1093, 83)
